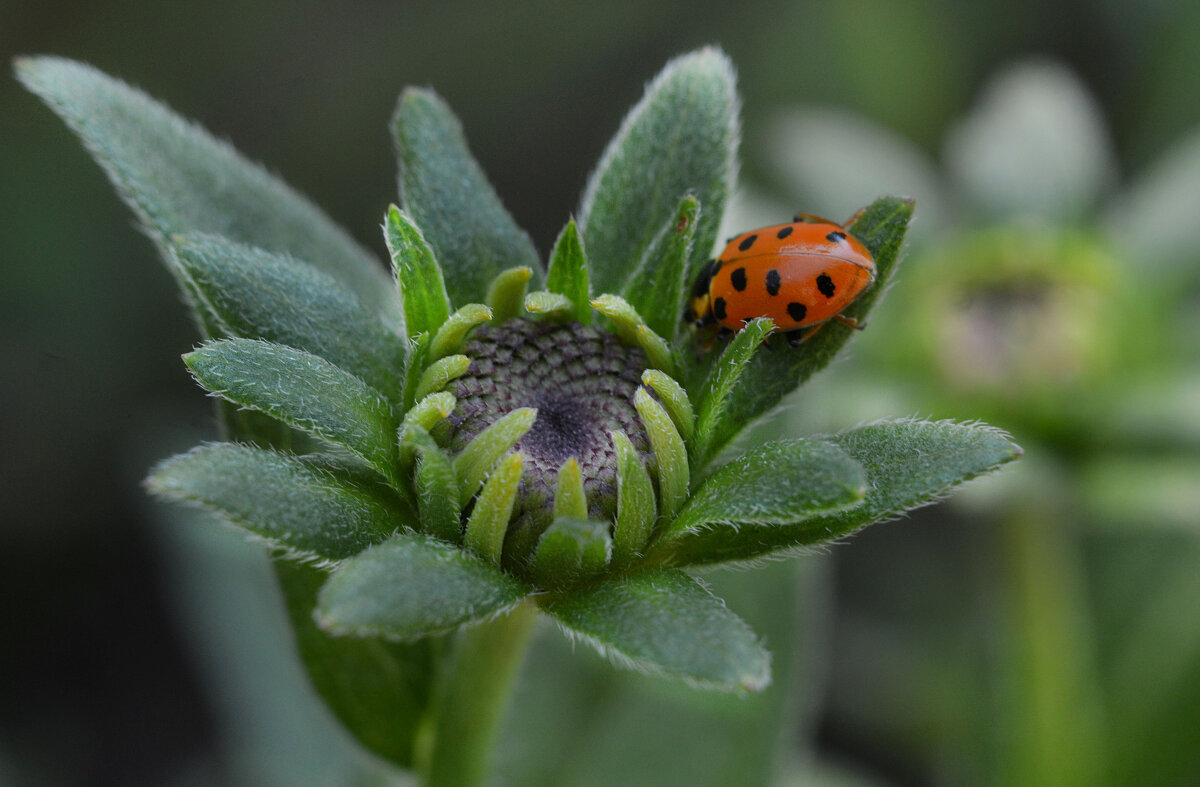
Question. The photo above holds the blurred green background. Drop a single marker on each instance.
(1043, 628)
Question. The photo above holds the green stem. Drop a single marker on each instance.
(472, 696)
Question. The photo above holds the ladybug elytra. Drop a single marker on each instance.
(801, 275)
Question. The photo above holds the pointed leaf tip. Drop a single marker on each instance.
(178, 178)
(448, 195)
(680, 138)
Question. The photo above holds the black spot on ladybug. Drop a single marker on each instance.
(835, 236)
(773, 282)
(700, 288)
(738, 279)
(825, 285)
(797, 311)
(718, 308)
(716, 267)
(783, 233)
(747, 242)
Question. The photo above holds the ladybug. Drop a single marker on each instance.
(801, 275)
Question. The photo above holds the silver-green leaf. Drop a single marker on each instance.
(303, 391)
(774, 484)
(447, 194)
(680, 139)
(413, 586)
(908, 463)
(665, 622)
(258, 294)
(177, 178)
(308, 510)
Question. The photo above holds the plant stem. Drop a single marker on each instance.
(472, 696)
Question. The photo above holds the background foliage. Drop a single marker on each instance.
(924, 636)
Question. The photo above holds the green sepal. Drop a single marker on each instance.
(257, 294)
(488, 523)
(772, 485)
(431, 409)
(177, 178)
(716, 418)
(665, 623)
(681, 138)
(636, 507)
(454, 330)
(308, 510)
(435, 484)
(908, 463)
(475, 461)
(441, 373)
(448, 196)
(506, 296)
(413, 586)
(418, 275)
(551, 305)
(670, 454)
(571, 551)
(303, 391)
(568, 273)
(631, 329)
(658, 284)
(674, 399)
(570, 500)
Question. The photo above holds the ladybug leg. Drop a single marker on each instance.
(850, 322)
(812, 218)
(797, 338)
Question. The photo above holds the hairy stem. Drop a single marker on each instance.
(472, 696)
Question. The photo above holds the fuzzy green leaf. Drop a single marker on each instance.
(908, 463)
(413, 586)
(774, 484)
(422, 290)
(666, 623)
(258, 294)
(443, 188)
(307, 509)
(656, 288)
(571, 551)
(770, 376)
(681, 138)
(177, 178)
(568, 274)
(303, 391)
(715, 416)
(380, 690)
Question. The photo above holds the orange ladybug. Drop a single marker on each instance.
(801, 275)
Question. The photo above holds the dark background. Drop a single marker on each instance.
(99, 683)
